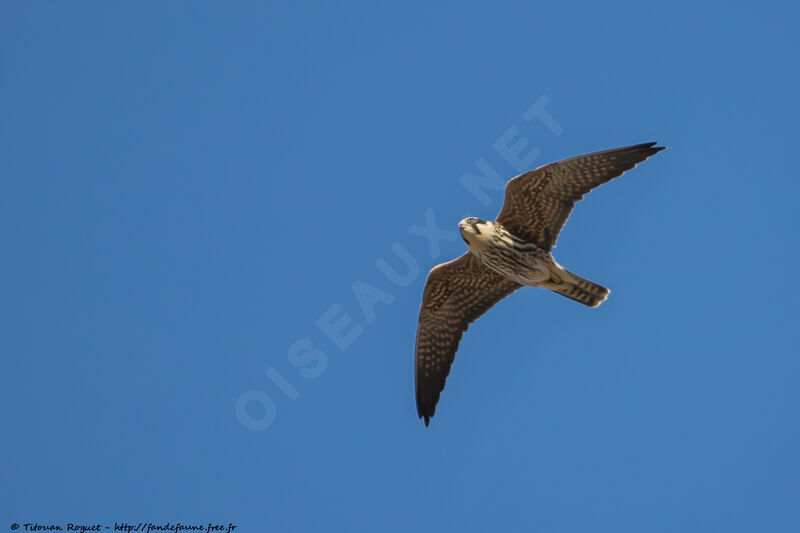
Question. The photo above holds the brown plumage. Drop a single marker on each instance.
(536, 206)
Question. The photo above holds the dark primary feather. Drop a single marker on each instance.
(538, 203)
(456, 293)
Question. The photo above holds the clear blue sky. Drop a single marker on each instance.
(188, 190)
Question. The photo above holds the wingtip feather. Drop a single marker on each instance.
(652, 145)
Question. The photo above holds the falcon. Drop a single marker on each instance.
(506, 254)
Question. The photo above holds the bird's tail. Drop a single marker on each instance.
(579, 289)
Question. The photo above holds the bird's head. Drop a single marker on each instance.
(475, 231)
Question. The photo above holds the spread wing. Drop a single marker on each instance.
(456, 293)
(538, 203)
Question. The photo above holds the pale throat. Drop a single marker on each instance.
(477, 242)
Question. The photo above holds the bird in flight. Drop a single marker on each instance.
(509, 253)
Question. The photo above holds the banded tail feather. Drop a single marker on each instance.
(581, 289)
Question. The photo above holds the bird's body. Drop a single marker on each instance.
(507, 254)
(525, 263)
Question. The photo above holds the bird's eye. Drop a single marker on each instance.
(471, 220)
